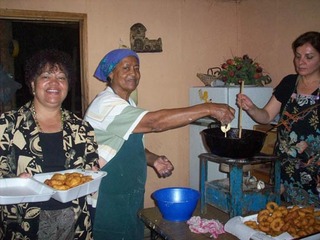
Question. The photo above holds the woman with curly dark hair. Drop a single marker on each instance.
(42, 137)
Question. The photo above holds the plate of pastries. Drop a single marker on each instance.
(71, 184)
(275, 220)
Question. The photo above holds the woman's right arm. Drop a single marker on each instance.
(166, 119)
(261, 115)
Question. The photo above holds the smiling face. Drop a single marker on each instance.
(50, 87)
(125, 77)
(307, 60)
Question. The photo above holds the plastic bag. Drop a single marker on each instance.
(8, 86)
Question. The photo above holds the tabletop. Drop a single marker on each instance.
(163, 229)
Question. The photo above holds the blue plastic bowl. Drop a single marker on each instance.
(176, 203)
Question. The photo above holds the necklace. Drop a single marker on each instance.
(34, 114)
(307, 86)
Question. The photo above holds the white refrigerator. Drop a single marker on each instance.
(259, 95)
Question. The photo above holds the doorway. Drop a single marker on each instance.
(35, 36)
(62, 31)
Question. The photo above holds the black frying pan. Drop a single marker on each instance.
(250, 143)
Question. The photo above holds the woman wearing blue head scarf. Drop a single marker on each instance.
(119, 127)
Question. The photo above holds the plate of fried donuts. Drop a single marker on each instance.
(279, 222)
(71, 184)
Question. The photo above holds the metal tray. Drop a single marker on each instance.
(76, 192)
(21, 190)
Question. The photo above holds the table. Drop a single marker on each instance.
(163, 229)
(229, 196)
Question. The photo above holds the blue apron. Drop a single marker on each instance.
(121, 194)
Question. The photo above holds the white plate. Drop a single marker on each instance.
(21, 190)
(76, 192)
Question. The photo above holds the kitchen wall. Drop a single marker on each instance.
(268, 28)
(196, 35)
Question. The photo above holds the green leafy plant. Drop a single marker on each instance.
(239, 69)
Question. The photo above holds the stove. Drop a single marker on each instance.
(229, 194)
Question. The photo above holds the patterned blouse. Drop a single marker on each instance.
(20, 151)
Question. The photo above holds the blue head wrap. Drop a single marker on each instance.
(110, 61)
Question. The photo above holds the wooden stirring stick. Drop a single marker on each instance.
(240, 112)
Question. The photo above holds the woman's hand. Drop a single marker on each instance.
(25, 175)
(244, 102)
(163, 166)
(222, 112)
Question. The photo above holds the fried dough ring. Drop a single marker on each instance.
(48, 182)
(277, 224)
(307, 221)
(286, 226)
(291, 216)
(74, 174)
(56, 182)
(294, 208)
(85, 179)
(316, 213)
(61, 187)
(271, 206)
(317, 227)
(302, 233)
(252, 224)
(276, 214)
(307, 209)
(264, 227)
(283, 210)
(73, 181)
(58, 176)
(269, 219)
(263, 215)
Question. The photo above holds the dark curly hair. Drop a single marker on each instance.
(37, 64)
(308, 37)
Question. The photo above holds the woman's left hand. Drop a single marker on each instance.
(163, 166)
(25, 175)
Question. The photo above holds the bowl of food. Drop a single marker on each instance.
(176, 204)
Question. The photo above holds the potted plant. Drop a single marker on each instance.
(238, 69)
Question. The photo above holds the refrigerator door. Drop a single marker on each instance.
(259, 95)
